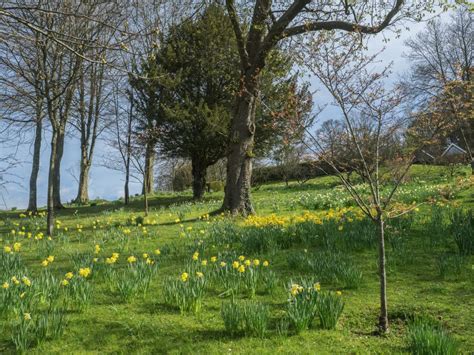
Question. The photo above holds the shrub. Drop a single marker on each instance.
(329, 306)
(426, 337)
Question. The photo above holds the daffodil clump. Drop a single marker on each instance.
(307, 301)
(135, 278)
(185, 292)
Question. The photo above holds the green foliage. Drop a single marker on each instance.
(232, 315)
(328, 266)
(426, 337)
(301, 307)
(329, 307)
(250, 317)
(186, 294)
(462, 229)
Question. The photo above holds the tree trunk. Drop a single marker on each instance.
(239, 160)
(57, 170)
(199, 179)
(383, 319)
(83, 192)
(50, 203)
(148, 182)
(32, 203)
(126, 188)
(145, 200)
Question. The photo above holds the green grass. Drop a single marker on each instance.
(424, 277)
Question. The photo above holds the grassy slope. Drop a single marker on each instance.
(149, 326)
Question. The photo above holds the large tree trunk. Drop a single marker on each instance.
(32, 203)
(148, 182)
(57, 170)
(83, 192)
(50, 203)
(239, 160)
(199, 178)
(383, 319)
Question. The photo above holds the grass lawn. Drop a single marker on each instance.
(427, 275)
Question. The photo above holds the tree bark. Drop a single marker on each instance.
(199, 178)
(145, 200)
(83, 191)
(50, 203)
(383, 319)
(239, 161)
(32, 203)
(148, 182)
(59, 150)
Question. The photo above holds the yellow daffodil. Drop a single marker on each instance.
(50, 258)
(7, 249)
(131, 259)
(5, 285)
(17, 247)
(213, 259)
(204, 262)
(27, 316)
(184, 276)
(266, 263)
(26, 281)
(84, 272)
(157, 251)
(199, 274)
(256, 262)
(69, 275)
(64, 282)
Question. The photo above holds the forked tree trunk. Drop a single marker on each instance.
(199, 179)
(239, 160)
(148, 182)
(383, 319)
(32, 202)
(50, 202)
(57, 170)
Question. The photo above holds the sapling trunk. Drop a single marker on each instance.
(383, 319)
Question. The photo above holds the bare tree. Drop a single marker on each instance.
(441, 78)
(21, 100)
(364, 101)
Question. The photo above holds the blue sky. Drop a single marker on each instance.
(108, 184)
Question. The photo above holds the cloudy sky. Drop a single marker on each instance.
(108, 184)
